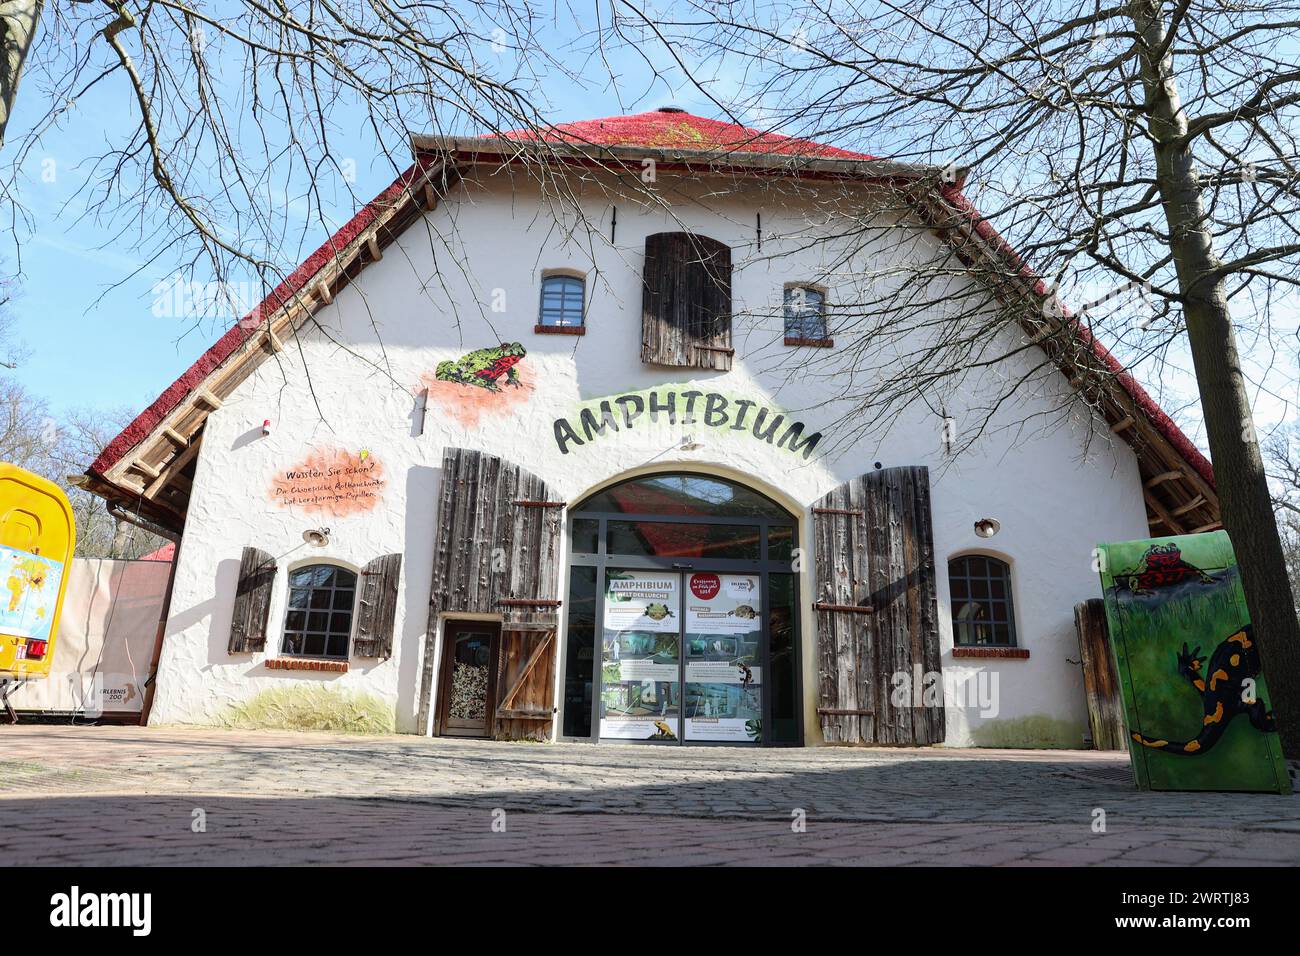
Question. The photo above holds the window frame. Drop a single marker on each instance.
(825, 340)
(544, 328)
(285, 630)
(1008, 576)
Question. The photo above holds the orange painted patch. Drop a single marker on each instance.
(1217, 716)
(1240, 638)
(1216, 677)
(468, 404)
(1191, 747)
(331, 481)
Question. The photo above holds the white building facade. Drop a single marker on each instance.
(515, 460)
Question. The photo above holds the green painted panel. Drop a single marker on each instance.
(1195, 701)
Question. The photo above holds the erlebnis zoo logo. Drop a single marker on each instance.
(75, 909)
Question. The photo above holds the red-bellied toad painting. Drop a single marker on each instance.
(486, 381)
(331, 481)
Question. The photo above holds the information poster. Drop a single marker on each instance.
(31, 591)
(723, 697)
(641, 656)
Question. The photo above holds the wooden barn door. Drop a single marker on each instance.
(877, 611)
(497, 553)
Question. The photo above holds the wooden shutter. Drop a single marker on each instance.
(497, 549)
(252, 602)
(378, 607)
(874, 550)
(686, 301)
(1100, 681)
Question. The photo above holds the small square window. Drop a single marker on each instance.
(805, 314)
(563, 301)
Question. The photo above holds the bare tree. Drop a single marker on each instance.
(1282, 452)
(238, 134)
(1135, 151)
(31, 437)
(18, 19)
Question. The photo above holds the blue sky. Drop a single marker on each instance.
(85, 301)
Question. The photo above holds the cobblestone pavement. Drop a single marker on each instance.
(126, 795)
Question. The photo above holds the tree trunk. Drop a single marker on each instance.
(18, 19)
(1239, 475)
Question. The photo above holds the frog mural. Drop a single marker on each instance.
(475, 384)
(484, 367)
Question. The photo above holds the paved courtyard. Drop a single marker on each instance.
(127, 795)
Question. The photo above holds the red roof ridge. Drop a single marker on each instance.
(672, 129)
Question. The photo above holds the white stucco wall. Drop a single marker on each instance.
(1056, 490)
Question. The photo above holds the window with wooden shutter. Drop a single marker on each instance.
(877, 610)
(686, 301)
(377, 607)
(252, 602)
(497, 552)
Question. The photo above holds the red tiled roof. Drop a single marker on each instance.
(671, 129)
(659, 129)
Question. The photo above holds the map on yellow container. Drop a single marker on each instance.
(29, 595)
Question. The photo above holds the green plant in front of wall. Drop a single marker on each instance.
(311, 707)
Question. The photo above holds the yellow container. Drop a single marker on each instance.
(37, 537)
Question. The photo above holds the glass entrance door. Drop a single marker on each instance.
(681, 656)
(723, 669)
(640, 673)
(681, 619)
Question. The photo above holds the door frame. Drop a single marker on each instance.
(449, 627)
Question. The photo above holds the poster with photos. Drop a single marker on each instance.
(722, 699)
(640, 687)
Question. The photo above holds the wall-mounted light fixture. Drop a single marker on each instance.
(317, 537)
(987, 527)
(687, 443)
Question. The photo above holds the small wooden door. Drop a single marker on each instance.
(467, 687)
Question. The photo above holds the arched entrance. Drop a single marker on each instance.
(683, 614)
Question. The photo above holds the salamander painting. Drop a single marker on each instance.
(1188, 672)
(1227, 688)
(485, 367)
